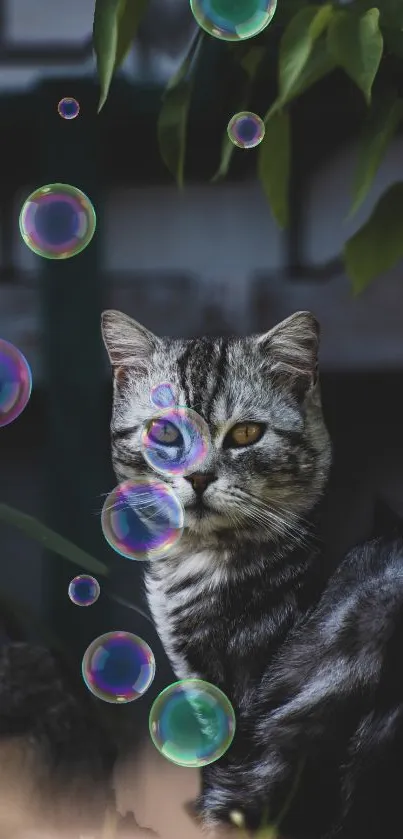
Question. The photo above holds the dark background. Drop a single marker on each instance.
(209, 260)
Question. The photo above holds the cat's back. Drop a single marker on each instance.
(351, 641)
(363, 601)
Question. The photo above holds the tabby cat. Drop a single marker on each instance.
(310, 664)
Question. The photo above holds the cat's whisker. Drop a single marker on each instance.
(271, 519)
(269, 524)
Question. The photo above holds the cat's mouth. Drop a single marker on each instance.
(199, 508)
(202, 518)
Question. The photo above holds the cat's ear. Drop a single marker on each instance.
(128, 344)
(291, 350)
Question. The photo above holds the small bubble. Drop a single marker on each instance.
(84, 590)
(15, 383)
(176, 442)
(57, 221)
(192, 723)
(163, 395)
(68, 108)
(142, 519)
(246, 130)
(233, 20)
(118, 667)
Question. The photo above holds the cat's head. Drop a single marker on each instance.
(259, 396)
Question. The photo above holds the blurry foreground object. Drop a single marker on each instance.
(56, 760)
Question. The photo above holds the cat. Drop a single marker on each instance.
(244, 600)
(263, 482)
(332, 707)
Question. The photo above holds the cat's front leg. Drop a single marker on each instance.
(226, 799)
(238, 793)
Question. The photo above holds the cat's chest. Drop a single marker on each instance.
(183, 600)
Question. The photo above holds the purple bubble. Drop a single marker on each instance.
(142, 519)
(57, 221)
(176, 441)
(163, 395)
(68, 108)
(246, 130)
(118, 667)
(15, 383)
(84, 590)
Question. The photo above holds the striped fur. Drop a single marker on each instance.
(332, 703)
(255, 543)
(312, 667)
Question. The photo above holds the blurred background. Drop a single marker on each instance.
(206, 260)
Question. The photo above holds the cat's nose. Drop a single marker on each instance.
(200, 481)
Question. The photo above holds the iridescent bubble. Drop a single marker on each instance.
(15, 383)
(57, 221)
(118, 667)
(192, 723)
(246, 130)
(84, 590)
(142, 519)
(68, 108)
(233, 20)
(163, 395)
(176, 441)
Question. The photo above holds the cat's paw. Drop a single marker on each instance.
(229, 798)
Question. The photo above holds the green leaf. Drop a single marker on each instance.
(318, 66)
(227, 150)
(251, 61)
(173, 116)
(297, 43)
(51, 540)
(378, 245)
(131, 13)
(375, 142)
(274, 165)
(356, 44)
(105, 41)
(115, 26)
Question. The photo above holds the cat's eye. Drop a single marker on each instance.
(164, 432)
(244, 434)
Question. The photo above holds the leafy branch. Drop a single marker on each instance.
(316, 40)
(56, 544)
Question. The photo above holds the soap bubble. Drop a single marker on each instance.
(163, 395)
(142, 519)
(57, 221)
(233, 20)
(15, 383)
(118, 667)
(192, 723)
(246, 130)
(176, 441)
(84, 590)
(68, 108)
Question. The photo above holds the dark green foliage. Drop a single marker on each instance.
(173, 117)
(315, 40)
(52, 541)
(378, 245)
(115, 26)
